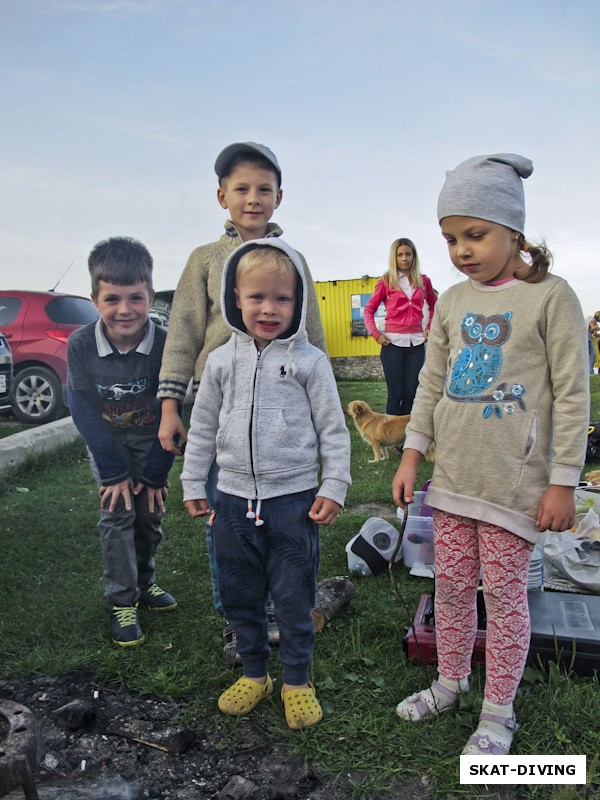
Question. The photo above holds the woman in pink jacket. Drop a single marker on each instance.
(403, 291)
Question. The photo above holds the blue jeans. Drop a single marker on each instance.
(401, 367)
(211, 491)
(281, 557)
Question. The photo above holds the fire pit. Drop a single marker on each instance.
(18, 749)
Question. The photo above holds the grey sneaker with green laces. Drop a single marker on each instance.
(124, 626)
(156, 599)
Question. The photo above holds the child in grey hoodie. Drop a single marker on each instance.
(268, 408)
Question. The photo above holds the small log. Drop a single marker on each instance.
(332, 595)
(169, 739)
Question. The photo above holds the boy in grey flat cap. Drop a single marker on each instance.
(505, 396)
(250, 189)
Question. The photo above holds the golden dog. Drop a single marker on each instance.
(380, 430)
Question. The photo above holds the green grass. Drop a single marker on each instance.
(54, 622)
(9, 424)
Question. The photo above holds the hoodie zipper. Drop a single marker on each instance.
(258, 366)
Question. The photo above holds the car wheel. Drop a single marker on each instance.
(37, 395)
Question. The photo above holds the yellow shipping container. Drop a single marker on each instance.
(342, 306)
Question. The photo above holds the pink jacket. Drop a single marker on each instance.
(401, 314)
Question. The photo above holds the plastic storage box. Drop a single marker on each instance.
(417, 544)
(417, 547)
(565, 627)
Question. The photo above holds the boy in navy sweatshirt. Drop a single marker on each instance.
(113, 378)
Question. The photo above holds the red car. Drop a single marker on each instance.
(37, 326)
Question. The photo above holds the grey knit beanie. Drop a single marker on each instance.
(487, 187)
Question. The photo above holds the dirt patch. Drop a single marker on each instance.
(104, 743)
(384, 510)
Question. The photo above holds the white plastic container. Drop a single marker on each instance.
(417, 545)
(418, 508)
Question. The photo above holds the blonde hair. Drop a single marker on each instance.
(538, 261)
(391, 276)
(269, 258)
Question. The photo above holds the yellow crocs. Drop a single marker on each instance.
(302, 709)
(244, 695)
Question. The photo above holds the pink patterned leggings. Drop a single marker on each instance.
(462, 545)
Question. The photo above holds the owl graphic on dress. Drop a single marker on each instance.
(478, 364)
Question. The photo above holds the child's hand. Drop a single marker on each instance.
(403, 483)
(324, 511)
(111, 494)
(557, 509)
(197, 508)
(157, 496)
(171, 425)
(382, 339)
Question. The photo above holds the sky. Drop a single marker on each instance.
(113, 112)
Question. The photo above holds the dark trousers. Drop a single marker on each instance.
(129, 539)
(281, 557)
(401, 367)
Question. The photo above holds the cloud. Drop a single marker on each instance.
(151, 132)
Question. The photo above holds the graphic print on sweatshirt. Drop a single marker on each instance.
(479, 364)
(128, 403)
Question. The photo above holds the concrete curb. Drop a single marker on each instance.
(16, 448)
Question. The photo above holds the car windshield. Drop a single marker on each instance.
(71, 310)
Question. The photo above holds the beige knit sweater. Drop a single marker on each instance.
(196, 325)
(505, 394)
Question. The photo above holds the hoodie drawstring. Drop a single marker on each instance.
(255, 516)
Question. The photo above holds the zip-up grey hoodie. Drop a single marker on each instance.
(269, 417)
